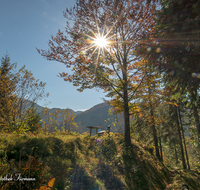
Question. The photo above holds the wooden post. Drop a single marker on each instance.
(108, 129)
(90, 131)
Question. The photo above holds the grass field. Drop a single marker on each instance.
(78, 161)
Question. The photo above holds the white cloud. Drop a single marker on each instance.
(82, 110)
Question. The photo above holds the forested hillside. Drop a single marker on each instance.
(98, 115)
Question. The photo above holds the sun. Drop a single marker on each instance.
(101, 42)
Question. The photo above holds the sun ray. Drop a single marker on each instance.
(98, 55)
(97, 61)
(111, 36)
(103, 53)
(110, 53)
(114, 25)
(102, 40)
(90, 47)
(91, 36)
(93, 52)
(96, 24)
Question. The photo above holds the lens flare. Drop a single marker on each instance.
(198, 75)
(194, 74)
(158, 50)
(149, 49)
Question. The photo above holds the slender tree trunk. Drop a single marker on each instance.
(196, 117)
(155, 136)
(127, 137)
(188, 164)
(180, 138)
(175, 151)
(20, 109)
(160, 145)
(154, 128)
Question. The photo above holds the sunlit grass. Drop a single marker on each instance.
(77, 161)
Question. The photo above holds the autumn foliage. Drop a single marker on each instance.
(115, 68)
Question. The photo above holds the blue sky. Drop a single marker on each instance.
(27, 24)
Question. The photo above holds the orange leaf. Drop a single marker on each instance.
(44, 188)
(51, 182)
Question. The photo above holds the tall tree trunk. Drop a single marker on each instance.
(188, 164)
(196, 117)
(195, 112)
(155, 135)
(155, 138)
(160, 145)
(127, 137)
(175, 151)
(180, 138)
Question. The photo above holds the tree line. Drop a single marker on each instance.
(19, 93)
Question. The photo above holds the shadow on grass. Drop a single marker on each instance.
(190, 178)
(133, 174)
(106, 174)
(51, 153)
(80, 180)
(140, 174)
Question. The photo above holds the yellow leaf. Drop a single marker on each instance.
(44, 188)
(51, 182)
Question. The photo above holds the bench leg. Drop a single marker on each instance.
(90, 132)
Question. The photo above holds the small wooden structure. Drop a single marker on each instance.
(92, 127)
(103, 131)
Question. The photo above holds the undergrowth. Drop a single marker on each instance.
(78, 161)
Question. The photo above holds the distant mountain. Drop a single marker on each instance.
(40, 108)
(94, 116)
(77, 112)
(60, 116)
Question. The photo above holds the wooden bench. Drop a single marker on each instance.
(100, 132)
(103, 131)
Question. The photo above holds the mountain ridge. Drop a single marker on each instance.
(94, 116)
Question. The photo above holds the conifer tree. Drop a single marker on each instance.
(175, 45)
(7, 93)
(19, 92)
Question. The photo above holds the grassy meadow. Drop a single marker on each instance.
(75, 161)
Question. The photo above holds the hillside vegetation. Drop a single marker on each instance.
(83, 162)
